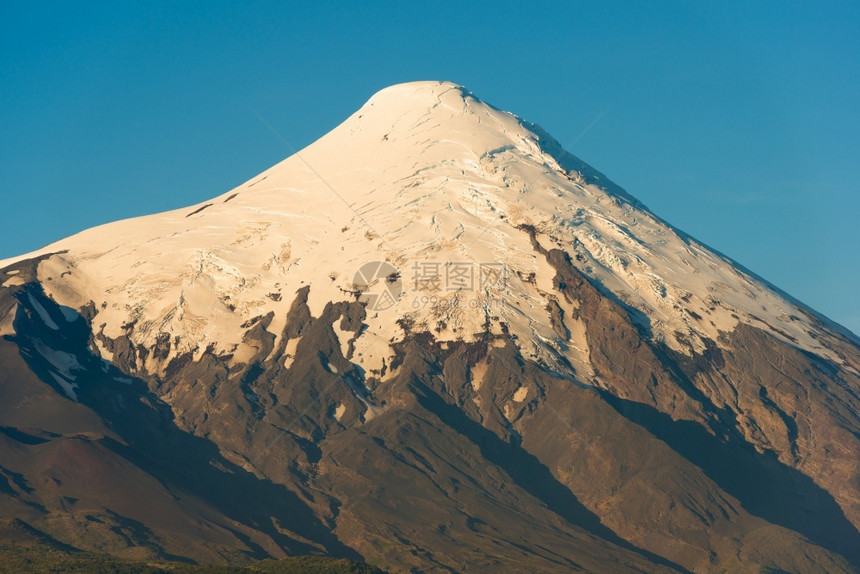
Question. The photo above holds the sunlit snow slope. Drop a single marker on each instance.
(424, 174)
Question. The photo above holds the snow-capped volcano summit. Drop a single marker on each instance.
(440, 185)
(437, 294)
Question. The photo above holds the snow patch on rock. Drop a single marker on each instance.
(42, 312)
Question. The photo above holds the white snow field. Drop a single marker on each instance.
(423, 175)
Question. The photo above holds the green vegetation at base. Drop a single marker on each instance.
(24, 559)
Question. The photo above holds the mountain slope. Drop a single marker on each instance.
(435, 340)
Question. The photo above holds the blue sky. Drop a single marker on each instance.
(737, 122)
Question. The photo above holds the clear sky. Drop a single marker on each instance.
(738, 122)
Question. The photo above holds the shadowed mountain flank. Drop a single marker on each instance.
(141, 432)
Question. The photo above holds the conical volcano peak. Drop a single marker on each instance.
(428, 179)
(436, 339)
